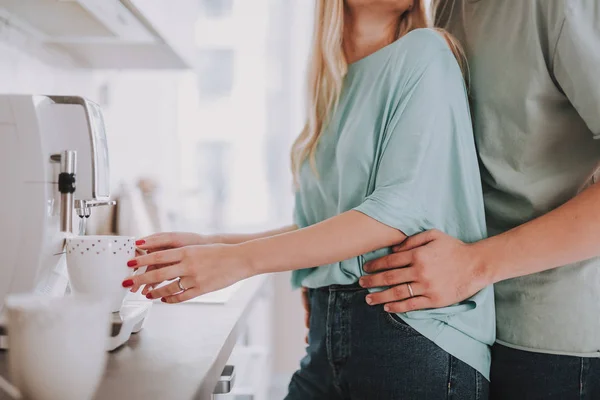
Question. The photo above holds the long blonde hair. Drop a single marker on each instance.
(328, 67)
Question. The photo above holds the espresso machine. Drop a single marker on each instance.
(54, 171)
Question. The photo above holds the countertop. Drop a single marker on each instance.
(179, 354)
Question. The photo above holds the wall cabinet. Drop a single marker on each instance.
(108, 34)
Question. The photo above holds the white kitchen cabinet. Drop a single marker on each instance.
(107, 34)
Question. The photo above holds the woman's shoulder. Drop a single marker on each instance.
(425, 51)
(422, 46)
(425, 38)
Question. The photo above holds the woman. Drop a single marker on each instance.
(387, 152)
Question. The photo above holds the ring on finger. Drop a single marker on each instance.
(410, 290)
(172, 288)
(187, 283)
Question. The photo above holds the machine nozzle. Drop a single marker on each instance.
(83, 208)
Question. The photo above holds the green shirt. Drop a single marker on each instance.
(535, 86)
(399, 148)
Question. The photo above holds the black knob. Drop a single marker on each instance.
(66, 182)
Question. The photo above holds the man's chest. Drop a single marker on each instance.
(513, 92)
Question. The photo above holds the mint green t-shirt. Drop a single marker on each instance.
(400, 149)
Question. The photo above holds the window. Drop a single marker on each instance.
(239, 114)
(215, 73)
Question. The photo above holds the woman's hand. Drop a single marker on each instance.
(201, 269)
(169, 240)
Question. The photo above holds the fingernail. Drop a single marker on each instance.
(386, 308)
(369, 300)
(127, 283)
(140, 242)
(362, 282)
(163, 300)
(131, 263)
(149, 296)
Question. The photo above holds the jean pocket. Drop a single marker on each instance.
(400, 324)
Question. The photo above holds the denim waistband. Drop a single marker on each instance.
(341, 288)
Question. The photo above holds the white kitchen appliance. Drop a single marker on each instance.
(53, 163)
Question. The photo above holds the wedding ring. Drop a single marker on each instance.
(183, 289)
(410, 291)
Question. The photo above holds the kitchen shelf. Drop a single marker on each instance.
(106, 34)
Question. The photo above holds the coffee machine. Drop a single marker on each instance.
(54, 171)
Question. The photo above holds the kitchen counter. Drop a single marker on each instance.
(179, 354)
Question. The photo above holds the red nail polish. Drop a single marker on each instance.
(140, 242)
(127, 283)
(131, 263)
(149, 296)
(163, 300)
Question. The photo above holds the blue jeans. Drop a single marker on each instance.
(524, 375)
(357, 351)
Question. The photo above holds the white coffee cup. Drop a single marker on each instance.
(98, 265)
(57, 345)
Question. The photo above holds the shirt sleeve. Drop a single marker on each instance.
(577, 60)
(413, 144)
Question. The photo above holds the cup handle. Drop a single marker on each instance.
(138, 271)
(140, 252)
(10, 389)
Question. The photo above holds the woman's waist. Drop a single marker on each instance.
(343, 275)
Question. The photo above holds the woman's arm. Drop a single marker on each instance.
(204, 269)
(236, 238)
(173, 240)
(339, 238)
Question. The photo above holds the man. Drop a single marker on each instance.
(535, 88)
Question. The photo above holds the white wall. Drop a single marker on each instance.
(141, 116)
(22, 73)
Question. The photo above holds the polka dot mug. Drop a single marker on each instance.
(98, 264)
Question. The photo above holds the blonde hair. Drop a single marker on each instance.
(328, 67)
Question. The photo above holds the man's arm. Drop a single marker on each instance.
(449, 270)
(566, 235)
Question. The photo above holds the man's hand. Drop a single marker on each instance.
(440, 269)
(306, 304)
